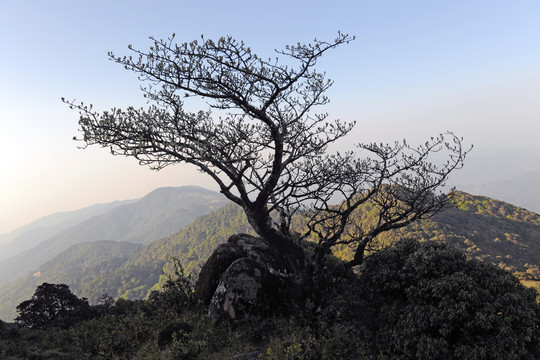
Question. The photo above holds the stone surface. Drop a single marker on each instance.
(215, 266)
(241, 291)
(245, 277)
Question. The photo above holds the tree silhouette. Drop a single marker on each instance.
(52, 305)
(264, 145)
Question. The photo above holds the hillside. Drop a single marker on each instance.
(143, 269)
(162, 212)
(486, 229)
(76, 266)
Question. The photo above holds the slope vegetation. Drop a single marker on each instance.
(76, 266)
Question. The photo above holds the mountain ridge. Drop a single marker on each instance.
(35, 232)
(136, 221)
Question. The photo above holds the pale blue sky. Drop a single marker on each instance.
(417, 68)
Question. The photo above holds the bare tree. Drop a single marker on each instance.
(391, 187)
(262, 143)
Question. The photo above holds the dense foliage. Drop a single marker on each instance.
(411, 301)
(52, 305)
(434, 303)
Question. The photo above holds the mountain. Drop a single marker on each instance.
(31, 235)
(490, 230)
(161, 212)
(123, 269)
(143, 269)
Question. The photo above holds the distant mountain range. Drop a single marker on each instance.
(30, 235)
(122, 269)
(512, 176)
(162, 212)
(491, 230)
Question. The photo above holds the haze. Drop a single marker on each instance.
(416, 69)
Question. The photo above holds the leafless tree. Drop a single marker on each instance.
(262, 143)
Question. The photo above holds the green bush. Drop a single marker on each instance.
(434, 303)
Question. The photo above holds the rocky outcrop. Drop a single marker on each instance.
(246, 277)
(215, 266)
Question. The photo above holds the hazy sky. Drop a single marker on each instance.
(417, 68)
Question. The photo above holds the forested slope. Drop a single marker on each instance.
(192, 246)
(75, 267)
(162, 212)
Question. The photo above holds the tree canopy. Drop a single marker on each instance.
(263, 143)
(52, 305)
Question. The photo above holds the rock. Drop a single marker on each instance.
(245, 277)
(215, 266)
(243, 291)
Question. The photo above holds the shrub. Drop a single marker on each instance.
(433, 302)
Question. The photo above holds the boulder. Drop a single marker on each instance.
(246, 277)
(215, 266)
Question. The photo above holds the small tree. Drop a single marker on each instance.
(52, 305)
(177, 289)
(264, 146)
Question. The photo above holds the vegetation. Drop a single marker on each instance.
(412, 300)
(52, 305)
(75, 267)
(433, 303)
(486, 229)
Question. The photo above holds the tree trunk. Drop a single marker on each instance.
(291, 252)
(359, 253)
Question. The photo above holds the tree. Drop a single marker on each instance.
(262, 143)
(52, 305)
(434, 303)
